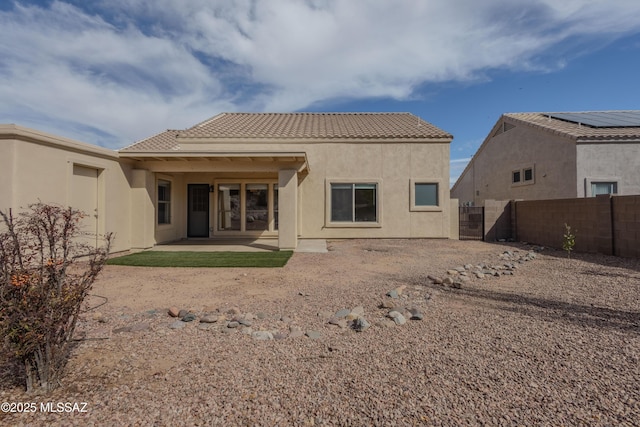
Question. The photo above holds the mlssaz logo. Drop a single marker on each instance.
(63, 407)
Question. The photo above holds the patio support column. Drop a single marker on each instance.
(287, 209)
(142, 209)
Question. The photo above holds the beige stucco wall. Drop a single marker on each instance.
(608, 162)
(35, 166)
(391, 165)
(489, 174)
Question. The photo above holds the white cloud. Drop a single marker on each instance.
(132, 67)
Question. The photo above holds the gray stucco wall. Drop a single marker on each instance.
(608, 162)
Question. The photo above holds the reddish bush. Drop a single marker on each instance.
(46, 271)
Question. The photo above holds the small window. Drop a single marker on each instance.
(164, 202)
(604, 188)
(515, 177)
(426, 194)
(354, 202)
(528, 174)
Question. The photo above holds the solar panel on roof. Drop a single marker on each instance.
(602, 119)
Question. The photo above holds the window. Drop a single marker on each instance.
(604, 188)
(354, 202)
(164, 202)
(515, 177)
(229, 207)
(528, 174)
(426, 194)
(523, 176)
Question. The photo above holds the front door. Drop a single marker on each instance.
(198, 214)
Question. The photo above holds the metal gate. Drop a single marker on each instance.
(471, 223)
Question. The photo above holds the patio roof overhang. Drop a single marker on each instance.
(236, 160)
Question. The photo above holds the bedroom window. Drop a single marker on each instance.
(351, 202)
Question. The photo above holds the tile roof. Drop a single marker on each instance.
(167, 140)
(579, 132)
(357, 126)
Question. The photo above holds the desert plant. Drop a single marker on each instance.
(45, 274)
(568, 240)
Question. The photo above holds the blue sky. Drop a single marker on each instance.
(110, 72)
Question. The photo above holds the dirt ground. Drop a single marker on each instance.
(557, 343)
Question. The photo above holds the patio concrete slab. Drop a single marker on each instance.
(220, 245)
(312, 245)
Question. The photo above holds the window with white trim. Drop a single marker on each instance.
(604, 188)
(164, 202)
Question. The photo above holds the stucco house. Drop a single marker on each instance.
(533, 156)
(261, 175)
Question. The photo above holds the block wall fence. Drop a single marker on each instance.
(603, 224)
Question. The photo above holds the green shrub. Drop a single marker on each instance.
(569, 240)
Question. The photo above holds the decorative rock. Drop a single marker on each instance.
(262, 335)
(245, 322)
(209, 318)
(447, 281)
(182, 313)
(286, 319)
(189, 317)
(99, 317)
(416, 314)
(397, 317)
(456, 285)
(479, 275)
(452, 272)
(233, 324)
(386, 323)
(174, 311)
(247, 331)
(361, 324)
(314, 335)
(393, 294)
(342, 313)
(178, 324)
(387, 304)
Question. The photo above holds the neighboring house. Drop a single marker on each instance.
(285, 176)
(554, 156)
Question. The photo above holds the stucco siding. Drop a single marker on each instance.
(551, 157)
(43, 171)
(608, 162)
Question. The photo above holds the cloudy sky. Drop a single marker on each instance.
(110, 72)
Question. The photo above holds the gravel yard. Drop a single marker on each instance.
(555, 343)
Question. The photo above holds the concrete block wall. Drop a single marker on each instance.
(497, 220)
(604, 224)
(626, 226)
(542, 222)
